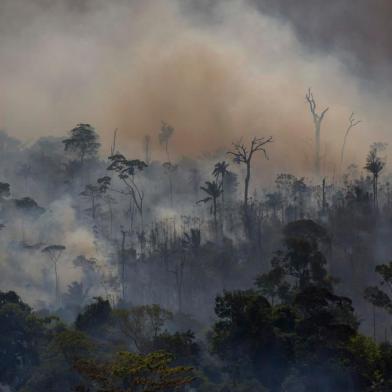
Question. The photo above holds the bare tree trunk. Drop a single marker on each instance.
(247, 180)
(56, 282)
(123, 265)
(171, 189)
(215, 218)
(111, 219)
(343, 149)
(317, 157)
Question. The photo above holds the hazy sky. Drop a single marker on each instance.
(215, 70)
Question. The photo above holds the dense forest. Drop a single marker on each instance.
(195, 196)
(132, 274)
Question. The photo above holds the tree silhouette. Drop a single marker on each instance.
(164, 136)
(243, 155)
(352, 123)
(170, 169)
(317, 120)
(220, 171)
(4, 190)
(54, 252)
(213, 190)
(83, 141)
(92, 192)
(126, 171)
(375, 165)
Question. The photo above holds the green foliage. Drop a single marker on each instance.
(20, 333)
(181, 345)
(379, 297)
(134, 372)
(142, 324)
(299, 265)
(72, 344)
(244, 337)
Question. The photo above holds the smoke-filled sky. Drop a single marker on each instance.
(215, 70)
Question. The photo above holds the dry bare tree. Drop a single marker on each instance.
(352, 123)
(243, 155)
(317, 120)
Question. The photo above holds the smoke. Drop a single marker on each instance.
(29, 271)
(216, 71)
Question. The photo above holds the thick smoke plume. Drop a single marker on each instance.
(216, 71)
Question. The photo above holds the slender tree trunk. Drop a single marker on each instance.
(93, 207)
(375, 192)
(343, 150)
(56, 282)
(167, 151)
(171, 189)
(215, 218)
(247, 180)
(111, 218)
(123, 265)
(317, 158)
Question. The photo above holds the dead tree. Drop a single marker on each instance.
(352, 123)
(317, 120)
(243, 155)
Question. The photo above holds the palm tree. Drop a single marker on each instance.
(220, 171)
(213, 190)
(374, 165)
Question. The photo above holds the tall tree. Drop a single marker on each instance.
(165, 135)
(317, 120)
(374, 165)
(243, 155)
(213, 190)
(352, 123)
(54, 253)
(93, 193)
(83, 141)
(127, 170)
(170, 169)
(220, 171)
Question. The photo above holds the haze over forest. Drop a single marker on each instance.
(195, 195)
